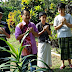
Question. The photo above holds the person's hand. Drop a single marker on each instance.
(2, 30)
(31, 29)
(63, 20)
(27, 29)
(46, 28)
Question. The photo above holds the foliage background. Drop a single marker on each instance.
(35, 6)
(13, 10)
(12, 14)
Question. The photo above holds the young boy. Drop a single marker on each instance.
(4, 33)
(44, 51)
(63, 23)
(20, 30)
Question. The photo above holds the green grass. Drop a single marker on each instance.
(56, 61)
(13, 41)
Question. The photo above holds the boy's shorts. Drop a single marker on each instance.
(66, 47)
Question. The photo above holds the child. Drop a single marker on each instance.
(20, 30)
(44, 51)
(4, 33)
(63, 23)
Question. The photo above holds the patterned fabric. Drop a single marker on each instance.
(32, 37)
(28, 49)
(66, 47)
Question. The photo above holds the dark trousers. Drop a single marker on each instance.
(4, 54)
(31, 63)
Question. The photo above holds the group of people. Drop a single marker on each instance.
(42, 30)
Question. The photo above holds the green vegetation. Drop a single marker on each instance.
(13, 9)
(56, 61)
(14, 42)
(16, 57)
(12, 15)
(16, 60)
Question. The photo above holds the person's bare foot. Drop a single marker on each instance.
(62, 67)
(70, 66)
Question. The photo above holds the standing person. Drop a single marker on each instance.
(63, 23)
(44, 50)
(4, 33)
(20, 30)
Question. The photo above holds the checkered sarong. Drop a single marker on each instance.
(66, 47)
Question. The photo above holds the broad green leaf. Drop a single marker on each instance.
(4, 49)
(20, 50)
(10, 46)
(24, 37)
(41, 69)
(1, 26)
(15, 70)
(27, 56)
(44, 64)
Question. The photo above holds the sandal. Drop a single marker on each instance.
(62, 67)
(70, 66)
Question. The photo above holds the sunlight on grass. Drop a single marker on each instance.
(15, 43)
(56, 63)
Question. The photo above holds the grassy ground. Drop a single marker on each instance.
(56, 62)
(13, 41)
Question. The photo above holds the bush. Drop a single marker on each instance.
(6, 12)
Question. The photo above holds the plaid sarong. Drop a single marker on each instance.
(66, 47)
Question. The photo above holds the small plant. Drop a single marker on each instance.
(16, 59)
(15, 56)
